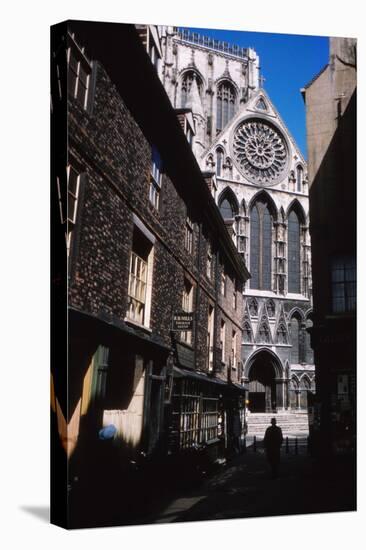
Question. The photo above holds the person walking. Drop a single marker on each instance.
(273, 440)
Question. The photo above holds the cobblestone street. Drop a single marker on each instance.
(244, 488)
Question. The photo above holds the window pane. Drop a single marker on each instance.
(73, 64)
(71, 208)
(219, 157)
(81, 93)
(226, 210)
(267, 250)
(338, 274)
(293, 253)
(219, 114)
(254, 248)
(225, 113)
(295, 340)
(73, 180)
(308, 348)
(83, 75)
(71, 82)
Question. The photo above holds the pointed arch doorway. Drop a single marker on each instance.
(266, 384)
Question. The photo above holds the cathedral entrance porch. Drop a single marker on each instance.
(266, 386)
(262, 388)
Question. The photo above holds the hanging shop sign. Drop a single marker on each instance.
(182, 322)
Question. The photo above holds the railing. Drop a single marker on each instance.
(208, 42)
(295, 445)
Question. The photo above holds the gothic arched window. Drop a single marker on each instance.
(261, 247)
(295, 340)
(293, 253)
(229, 168)
(225, 104)
(309, 354)
(247, 333)
(299, 177)
(282, 335)
(226, 210)
(219, 161)
(187, 80)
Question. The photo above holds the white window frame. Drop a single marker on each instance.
(138, 279)
(209, 261)
(188, 240)
(139, 226)
(223, 284)
(210, 336)
(70, 221)
(155, 180)
(80, 59)
(223, 340)
(187, 307)
(234, 355)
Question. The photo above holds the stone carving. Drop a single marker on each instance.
(264, 334)
(260, 151)
(253, 307)
(271, 308)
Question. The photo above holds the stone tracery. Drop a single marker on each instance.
(260, 151)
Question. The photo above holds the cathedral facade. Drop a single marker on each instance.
(261, 189)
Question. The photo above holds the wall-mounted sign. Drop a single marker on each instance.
(185, 356)
(183, 322)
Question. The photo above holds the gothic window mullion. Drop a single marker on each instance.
(294, 254)
(261, 248)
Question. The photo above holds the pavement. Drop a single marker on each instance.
(244, 488)
(240, 488)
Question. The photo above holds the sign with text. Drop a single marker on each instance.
(182, 322)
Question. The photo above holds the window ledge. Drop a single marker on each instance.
(137, 325)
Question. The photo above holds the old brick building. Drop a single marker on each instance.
(145, 244)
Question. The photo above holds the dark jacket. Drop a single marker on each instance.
(273, 438)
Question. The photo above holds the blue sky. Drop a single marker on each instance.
(288, 62)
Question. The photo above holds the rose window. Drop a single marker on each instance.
(260, 151)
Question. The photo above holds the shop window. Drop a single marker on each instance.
(195, 415)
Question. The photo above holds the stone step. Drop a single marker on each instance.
(291, 423)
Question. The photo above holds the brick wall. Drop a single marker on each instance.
(116, 158)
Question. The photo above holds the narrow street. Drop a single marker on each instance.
(244, 488)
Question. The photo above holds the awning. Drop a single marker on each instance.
(203, 377)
